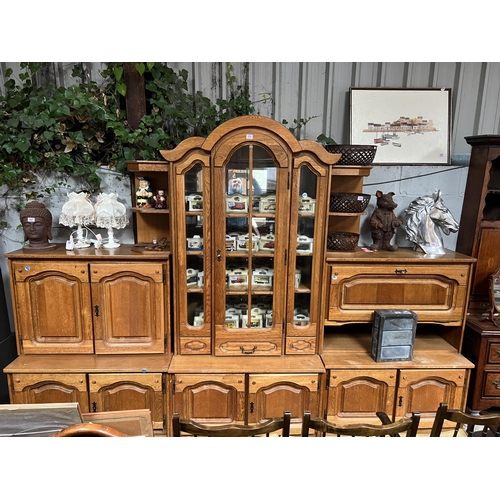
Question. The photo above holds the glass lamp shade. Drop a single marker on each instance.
(110, 214)
(76, 211)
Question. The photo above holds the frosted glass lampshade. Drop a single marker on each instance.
(110, 214)
(78, 211)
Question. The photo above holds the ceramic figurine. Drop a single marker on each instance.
(160, 199)
(144, 194)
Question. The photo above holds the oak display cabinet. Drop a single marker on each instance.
(249, 202)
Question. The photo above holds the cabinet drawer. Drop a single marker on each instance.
(494, 353)
(491, 385)
(22, 381)
(436, 295)
(27, 269)
(231, 347)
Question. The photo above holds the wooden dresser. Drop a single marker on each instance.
(436, 288)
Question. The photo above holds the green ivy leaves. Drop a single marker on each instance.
(72, 131)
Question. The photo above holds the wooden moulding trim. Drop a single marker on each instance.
(252, 121)
(185, 146)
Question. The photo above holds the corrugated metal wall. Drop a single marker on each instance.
(295, 90)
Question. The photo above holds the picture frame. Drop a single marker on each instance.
(409, 126)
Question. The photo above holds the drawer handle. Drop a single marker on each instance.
(496, 383)
(245, 351)
(219, 255)
(400, 271)
(498, 351)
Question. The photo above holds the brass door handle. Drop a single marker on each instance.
(248, 351)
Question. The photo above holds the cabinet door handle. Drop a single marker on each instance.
(94, 407)
(248, 351)
(252, 407)
(219, 253)
(400, 271)
(400, 402)
(96, 309)
(496, 383)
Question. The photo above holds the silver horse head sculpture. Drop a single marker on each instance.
(425, 218)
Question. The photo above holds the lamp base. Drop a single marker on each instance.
(111, 244)
(81, 244)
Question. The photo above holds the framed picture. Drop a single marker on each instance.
(410, 126)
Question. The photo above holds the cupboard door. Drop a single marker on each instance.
(423, 390)
(128, 391)
(271, 395)
(52, 307)
(306, 238)
(130, 307)
(50, 388)
(210, 398)
(356, 395)
(250, 213)
(194, 258)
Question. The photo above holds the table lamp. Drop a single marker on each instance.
(78, 211)
(110, 214)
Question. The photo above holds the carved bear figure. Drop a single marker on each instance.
(384, 222)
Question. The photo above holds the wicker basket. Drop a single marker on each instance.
(353, 154)
(342, 241)
(349, 202)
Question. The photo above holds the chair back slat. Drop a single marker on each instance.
(409, 426)
(189, 426)
(490, 422)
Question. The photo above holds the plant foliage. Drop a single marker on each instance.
(73, 131)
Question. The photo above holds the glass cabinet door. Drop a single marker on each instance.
(251, 228)
(308, 194)
(193, 261)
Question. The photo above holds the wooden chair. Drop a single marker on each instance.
(89, 429)
(490, 422)
(388, 428)
(232, 430)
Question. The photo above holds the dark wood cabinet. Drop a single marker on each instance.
(479, 237)
(482, 347)
(479, 234)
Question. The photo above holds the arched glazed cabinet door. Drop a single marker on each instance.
(251, 227)
(193, 263)
(308, 195)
